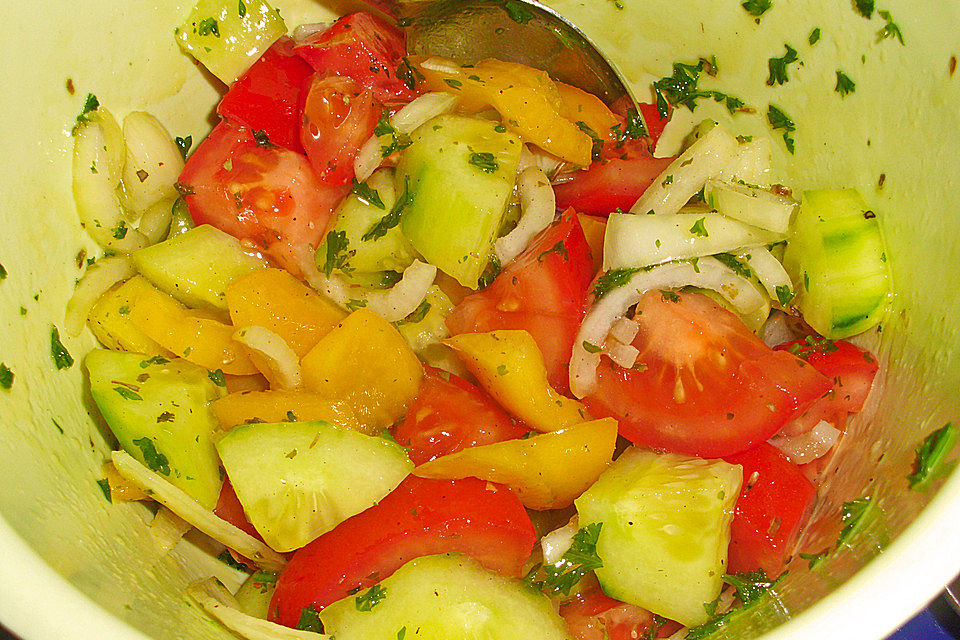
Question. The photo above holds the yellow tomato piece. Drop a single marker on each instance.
(509, 365)
(528, 101)
(189, 334)
(280, 406)
(547, 471)
(109, 320)
(594, 227)
(236, 384)
(365, 362)
(274, 299)
(576, 105)
(121, 489)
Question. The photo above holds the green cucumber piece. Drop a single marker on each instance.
(227, 36)
(354, 218)
(459, 174)
(838, 258)
(666, 527)
(196, 266)
(443, 597)
(298, 480)
(158, 411)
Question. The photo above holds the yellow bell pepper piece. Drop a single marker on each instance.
(547, 471)
(509, 365)
(280, 406)
(189, 334)
(121, 489)
(594, 227)
(236, 384)
(274, 299)
(576, 105)
(527, 100)
(365, 362)
(109, 320)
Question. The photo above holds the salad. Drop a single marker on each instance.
(441, 349)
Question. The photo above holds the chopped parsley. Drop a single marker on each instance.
(864, 7)
(757, 8)
(183, 145)
(61, 357)
(785, 295)
(810, 345)
(731, 262)
(155, 460)
(613, 279)
(559, 248)
(409, 74)
(597, 145)
(485, 161)
(669, 296)
(451, 82)
(120, 231)
(845, 85)
(419, 313)
(635, 128)
(778, 66)
(780, 120)
(751, 587)
(208, 26)
(681, 88)
(337, 252)
(310, 620)
(89, 106)
(490, 273)
(242, 9)
(154, 360)
(699, 228)
(363, 191)
(384, 126)
(502, 370)
(890, 30)
(373, 596)
(353, 305)
(165, 416)
(128, 394)
(217, 377)
(931, 462)
(392, 219)
(855, 514)
(262, 140)
(104, 485)
(3, 272)
(517, 12)
(580, 559)
(814, 37)
(814, 560)
(589, 347)
(264, 577)
(6, 376)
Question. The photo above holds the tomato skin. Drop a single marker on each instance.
(775, 500)
(229, 508)
(448, 415)
(267, 97)
(420, 517)
(542, 291)
(851, 369)
(709, 388)
(593, 615)
(338, 118)
(362, 47)
(613, 182)
(265, 194)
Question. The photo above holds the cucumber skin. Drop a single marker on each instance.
(666, 528)
(173, 413)
(446, 597)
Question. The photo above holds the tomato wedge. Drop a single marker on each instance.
(258, 192)
(338, 118)
(703, 384)
(775, 500)
(362, 47)
(543, 291)
(420, 517)
(267, 97)
(448, 415)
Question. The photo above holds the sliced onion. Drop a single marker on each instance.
(750, 204)
(624, 330)
(220, 603)
(809, 446)
(707, 273)
(272, 355)
(304, 31)
(686, 175)
(403, 298)
(168, 528)
(538, 205)
(623, 355)
(751, 163)
(191, 511)
(98, 279)
(558, 542)
(153, 162)
(632, 240)
(768, 270)
(155, 221)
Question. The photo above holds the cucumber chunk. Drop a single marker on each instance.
(837, 257)
(458, 174)
(297, 480)
(158, 411)
(227, 36)
(196, 266)
(444, 597)
(666, 527)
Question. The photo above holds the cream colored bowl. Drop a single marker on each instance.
(74, 566)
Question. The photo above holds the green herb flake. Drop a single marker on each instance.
(845, 85)
(502, 370)
(732, 263)
(89, 106)
(681, 88)
(165, 416)
(518, 12)
(455, 84)
(419, 313)
(262, 139)
(490, 273)
(155, 460)
(154, 360)
(61, 357)
(104, 485)
(812, 344)
(373, 596)
(207, 26)
(409, 74)
(669, 296)
(384, 126)
(264, 577)
(338, 253)
(242, 9)
(890, 30)
(402, 633)
(781, 121)
(699, 228)
(3, 272)
(613, 279)
(580, 559)
(750, 585)
(559, 248)
(217, 377)
(499, 128)
(757, 8)
(363, 191)
(814, 37)
(120, 231)
(597, 141)
(310, 620)
(183, 145)
(589, 347)
(485, 161)
(353, 305)
(814, 560)
(864, 8)
(855, 514)
(6, 376)
(127, 393)
(778, 66)
(392, 219)
(785, 295)
(931, 461)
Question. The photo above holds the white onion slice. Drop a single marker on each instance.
(273, 352)
(98, 279)
(809, 446)
(153, 162)
(155, 222)
(768, 270)
(538, 205)
(750, 204)
(624, 330)
(686, 175)
(558, 542)
(191, 511)
(624, 355)
(403, 298)
(707, 273)
(632, 240)
(751, 163)
(168, 528)
(220, 603)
